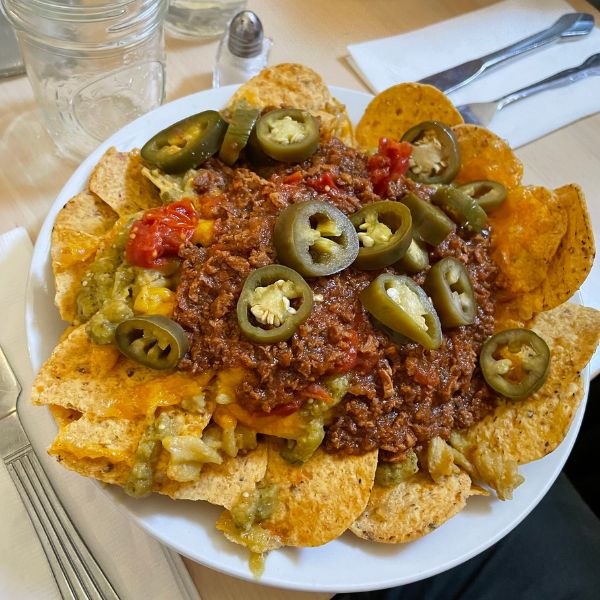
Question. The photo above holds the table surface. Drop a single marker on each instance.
(311, 32)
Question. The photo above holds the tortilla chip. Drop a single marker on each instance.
(117, 179)
(222, 484)
(91, 437)
(568, 268)
(71, 253)
(412, 509)
(526, 234)
(87, 213)
(101, 469)
(484, 155)
(291, 85)
(70, 378)
(527, 430)
(394, 111)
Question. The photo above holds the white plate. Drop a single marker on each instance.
(346, 564)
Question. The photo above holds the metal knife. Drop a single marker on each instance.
(569, 26)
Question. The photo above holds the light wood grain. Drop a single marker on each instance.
(313, 32)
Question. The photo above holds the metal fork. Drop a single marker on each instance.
(482, 113)
(77, 574)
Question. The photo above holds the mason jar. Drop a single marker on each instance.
(94, 65)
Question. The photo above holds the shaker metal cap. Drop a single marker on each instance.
(245, 35)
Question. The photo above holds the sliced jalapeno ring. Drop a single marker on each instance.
(430, 224)
(237, 134)
(187, 143)
(288, 134)
(515, 362)
(435, 156)
(488, 194)
(315, 238)
(461, 208)
(416, 258)
(449, 287)
(154, 341)
(273, 303)
(384, 232)
(399, 303)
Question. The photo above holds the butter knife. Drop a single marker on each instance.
(568, 27)
(77, 574)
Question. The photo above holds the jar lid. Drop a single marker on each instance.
(245, 35)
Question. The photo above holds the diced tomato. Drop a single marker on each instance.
(389, 163)
(324, 183)
(160, 233)
(295, 177)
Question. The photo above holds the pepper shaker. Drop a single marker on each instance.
(243, 50)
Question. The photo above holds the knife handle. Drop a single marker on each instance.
(569, 26)
(590, 66)
(75, 570)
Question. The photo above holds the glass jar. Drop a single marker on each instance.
(94, 65)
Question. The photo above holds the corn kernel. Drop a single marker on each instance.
(204, 232)
(154, 301)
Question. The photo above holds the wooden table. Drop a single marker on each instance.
(313, 32)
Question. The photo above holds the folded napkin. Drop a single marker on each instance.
(138, 566)
(412, 56)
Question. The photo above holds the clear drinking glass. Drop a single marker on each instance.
(201, 19)
(94, 65)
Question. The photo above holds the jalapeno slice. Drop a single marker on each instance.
(288, 134)
(463, 209)
(416, 258)
(488, 194)
(430, 224)
(237, 134)
(154, 341)
(515, 362)
(315, 238)
(449, 287)
(274, 302)
(397, 302)
(384, 232)
(187, 143)
(435, 157)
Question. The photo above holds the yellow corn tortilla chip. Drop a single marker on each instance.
(568, 268)
(526, 234)
(117, 179)
(411, 509)
(86, 212)
(91, 437)
(101, 469)
(526, 430)
(222, 484)
(318, 500)
(484, 155)
(82, 376)
(295, 86)
(395, 110)
(71, 252)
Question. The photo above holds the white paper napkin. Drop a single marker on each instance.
(139, 567)
(412, 56)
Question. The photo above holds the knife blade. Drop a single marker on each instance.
(569, 26)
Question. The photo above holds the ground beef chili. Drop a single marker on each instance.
(399, 396)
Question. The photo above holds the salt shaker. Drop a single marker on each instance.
(243, 50)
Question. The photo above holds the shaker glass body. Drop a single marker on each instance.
(94, 65)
